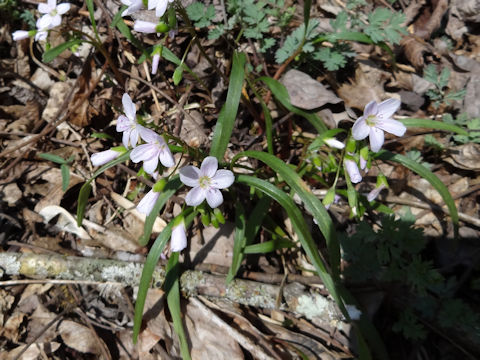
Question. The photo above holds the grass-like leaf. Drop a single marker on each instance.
(91, 11)
(312, 203)
(172, 288)
(268, 246)
(238, 241)
(86, 188)
(53, 158)
(170, 188)
(228, 114)
(65, 170)
(427, 175)
(432, 124)
(148, 269)
(57, 50)
(281, 94)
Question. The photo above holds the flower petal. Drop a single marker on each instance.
(144, 152)
(129, 107)
(126, 138)
(56, 21)
(155, 61)
(360, 129)
(209, 166)
(195, 196)
(223, 179)
(387, 108)
(123, 123)
(166, 157)
(150, 165)
(44, 22)
(146, 205)
(372, 195)
(152, 4)
(370, 109)
(145, 27)
(150, 136)
(19, 35)
(134, 136)
(376, 139)
(178, 241)
(103, 157)
(332, 142)
(214, 198)
(52, 4)
(63, 8)
(352, 170)
(161, 8)
(392, 126)
(189, 175)
(43, 8)
(41, 35)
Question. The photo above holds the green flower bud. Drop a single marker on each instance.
(159, 185)
(162, 27)
(219, 216)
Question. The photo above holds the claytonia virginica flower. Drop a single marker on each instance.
(206, 182)
(146, 205)
(353, 171)
(133, 6)
(332, 142)
(160, 6)
(155, 61)
(52, 13)
(103, 157)
(376, 119)
(20, 35)
(155, 149)
(372, 195)
(178, 241)
(128, 124)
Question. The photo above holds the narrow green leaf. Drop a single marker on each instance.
(268, 246)
(228, 114)
(255, 220)
(337, 291)
(125, 30)
(432, 124)
(238, 242)
(170, 56)
(427, 175)
(54, 158)
(312, 203)
(171, 188)
(91, 11)
(281, 94)
(172, 288)
(177, 75)
(118, 16)
(57, 50)
(148, 269)
(65, 176)
(101, 136)
(86, 188)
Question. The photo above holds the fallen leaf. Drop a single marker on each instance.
(65, 222)
(79, 337)
(307, 93)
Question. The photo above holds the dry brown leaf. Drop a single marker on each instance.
(465, 156)
(414, 50)
(430, 19)
(367, 86)
(35, 351)
(79, 337)
(36, 325)
(307, 93)
(65, 221)
(217, 246)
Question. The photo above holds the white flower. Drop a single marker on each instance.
(146, 205)
(160, 6)
(155, 61)
(20, 35)
(332, 142)
(353, 312)
(352, 170)
(128, 124)
(372, 195)
(103, 157)
(376, 119)
(206, 182)
(178, 241)
(155, 149)
(41, 35)
(146, 27)
(52, 13)
(133, 6)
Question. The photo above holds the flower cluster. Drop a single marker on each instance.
(50, 19)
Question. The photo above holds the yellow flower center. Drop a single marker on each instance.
(371, 120)
(204, 182)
